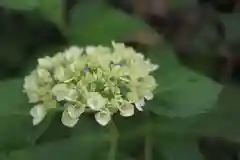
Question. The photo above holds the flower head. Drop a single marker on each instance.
(98, 79)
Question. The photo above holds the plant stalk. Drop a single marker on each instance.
(113, 140)
(148, 140)
(148, 148)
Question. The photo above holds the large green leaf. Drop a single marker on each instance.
(20, 5)
(15, 121)
(223, 121)
(73, 149)
(89, 143)
(181, 92)
(175, 4)
(178, 148)
(53, 11)
(231, 23)
(100, 24)
(16, 128)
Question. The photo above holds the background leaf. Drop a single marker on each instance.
(178, 148)
(53, 11)
(15, 121)
(231, 23)
(223, 121)
(175, 4)
(85, 145)
(20, 5)
(98, 24)
(181, 92)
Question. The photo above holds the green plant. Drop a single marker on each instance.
(186, 105)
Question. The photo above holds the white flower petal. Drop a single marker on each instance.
(73, 53)
(132, 96)
(60, 91)
(30, 82)
(75, 112)
(38, 113)
(127, 110)
(44, 75)
(59, 73)
(33, 97)
(72, 95)
(90, 49)
(96, 101)
(67, 120)
(57, 60)
(103, 118)
(45, 62)
(149, 96)
(139, 104)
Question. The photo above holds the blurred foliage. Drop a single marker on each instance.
(195, 112)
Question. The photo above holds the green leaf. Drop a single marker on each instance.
(41, 129)
(13, 43)
(181, 92)
(223, 121)
(178, 148)
(20, 5)
(17, 130)
(87, 144)
(73, 149)
(15, 120)
(53, 11)
(232, 24)
(94, 24)
(3, 156)
(176, 4)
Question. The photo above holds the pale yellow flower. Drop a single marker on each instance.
(95, 101)
(103, 117)
(67, 120)
(38, 112)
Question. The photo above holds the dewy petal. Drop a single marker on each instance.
(103, 118)
(139, 104)
(149, 96)
(127, 110)
(75, 112)
(38, 113)
(67, 120)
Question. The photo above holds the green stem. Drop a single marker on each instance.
(148, 140)
(113, 141)
(148, 148)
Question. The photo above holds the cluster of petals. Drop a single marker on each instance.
(98, 79)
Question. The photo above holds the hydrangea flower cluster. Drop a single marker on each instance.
(95, 79)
